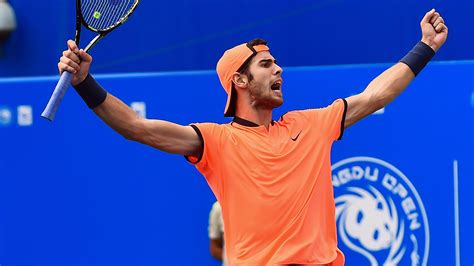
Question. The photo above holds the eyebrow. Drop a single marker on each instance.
(268, 61)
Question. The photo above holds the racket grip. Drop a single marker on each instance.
(57, 96)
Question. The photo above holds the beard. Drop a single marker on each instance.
(265, 98)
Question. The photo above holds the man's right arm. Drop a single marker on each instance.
(163, 135)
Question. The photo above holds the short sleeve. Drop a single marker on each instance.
(213, 136)
(210, 135)
(330, 120)
(215, 222)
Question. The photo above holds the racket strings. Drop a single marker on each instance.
(104, 14)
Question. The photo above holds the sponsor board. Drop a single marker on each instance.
(380, 217)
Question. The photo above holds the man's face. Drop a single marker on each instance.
(265, 88)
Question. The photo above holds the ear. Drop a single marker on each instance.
(240, 80)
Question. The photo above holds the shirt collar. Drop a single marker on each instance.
(245, 122)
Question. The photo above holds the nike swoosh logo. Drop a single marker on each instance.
(295, 138)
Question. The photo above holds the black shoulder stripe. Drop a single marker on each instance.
(343, 119)
(198, 132)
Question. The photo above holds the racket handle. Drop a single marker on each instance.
(58, 94)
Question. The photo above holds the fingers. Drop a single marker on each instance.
(66, 64)
(441, 28)
(69, 62)
(71, 45)
(71, 55)
(438, 21)
(72, 59)
(434, 17)
(428, 16)
(75, 61)
(433, 29)
(85, 57)
(439, 25)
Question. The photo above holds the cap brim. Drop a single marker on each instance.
(229, 111)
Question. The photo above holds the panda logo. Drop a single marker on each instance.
(379, 214)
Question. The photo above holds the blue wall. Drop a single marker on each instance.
(73, 192)
(191, 35)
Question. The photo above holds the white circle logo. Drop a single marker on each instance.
(379, 213)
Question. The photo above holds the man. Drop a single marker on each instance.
(271, 178)
(216, 233)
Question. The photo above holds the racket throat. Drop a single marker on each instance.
(93, 42)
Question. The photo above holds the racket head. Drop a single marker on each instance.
(102, 16)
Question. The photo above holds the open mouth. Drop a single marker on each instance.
(276, 86)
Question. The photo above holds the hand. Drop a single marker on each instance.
(434, 30)
(75, 61)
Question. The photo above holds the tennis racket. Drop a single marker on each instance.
(100, 16)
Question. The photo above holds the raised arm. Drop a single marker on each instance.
(393, 81)
(163, 135)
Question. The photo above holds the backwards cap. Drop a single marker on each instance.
(230, 63)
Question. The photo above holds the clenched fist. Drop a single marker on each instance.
(434, 30)
(76, 62)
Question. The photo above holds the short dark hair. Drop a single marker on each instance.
(244, 68)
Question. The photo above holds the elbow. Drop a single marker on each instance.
(379, 101)
(379, 104)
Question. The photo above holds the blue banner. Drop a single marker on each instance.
(74, 192)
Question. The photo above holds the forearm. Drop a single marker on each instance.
(395, 80)
(163, 135)
(388, 85)
(110, 109)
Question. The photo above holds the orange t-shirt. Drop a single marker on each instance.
(274, 186)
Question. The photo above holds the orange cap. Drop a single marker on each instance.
(229, 63)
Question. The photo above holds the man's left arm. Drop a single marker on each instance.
(393, 81)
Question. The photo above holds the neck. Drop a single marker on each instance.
(259, 117)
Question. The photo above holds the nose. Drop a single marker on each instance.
(278, 70)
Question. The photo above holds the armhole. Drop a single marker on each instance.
(343, 119)
(192, 159)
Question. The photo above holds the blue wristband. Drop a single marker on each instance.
(418, 57)
(91, 92)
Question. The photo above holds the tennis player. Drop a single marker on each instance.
(271, 178)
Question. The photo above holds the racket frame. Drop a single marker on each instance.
(63, 84)
(81, 21)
